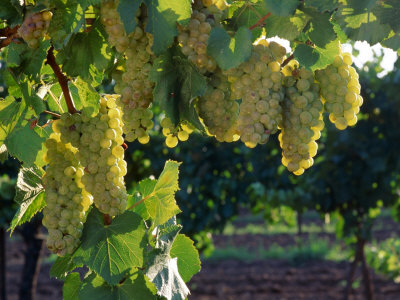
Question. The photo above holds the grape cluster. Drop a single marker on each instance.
(340, 90)
(35, 27)
(194, 36)
(174, 133)
(111, 20)
(258, 82)
(218, 112)
(67, 202)
(133, 84)
(302, 119)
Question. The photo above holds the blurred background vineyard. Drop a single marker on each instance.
(331, 233)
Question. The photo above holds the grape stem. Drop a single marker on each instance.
(107, 219)
(52, 114)
(286, 61)
(7, 34)
(260, 22)
(62, 80)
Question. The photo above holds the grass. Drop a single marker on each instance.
(278, 228)
(314, 249)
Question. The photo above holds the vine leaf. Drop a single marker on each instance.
(127, 9)
(62, 266)
(388, 11)
(230, 52)
(188, 257)
(285, 27)
(163, 270)
(112, 250)
(85, 53)
(178, 83)
(361, 25)
(246, 14)
(24, 143)
(393, 43)
(88, 98)
(162, 18)
(315, 58)
(322, 5)
(321, 31)
(11, 11)
(135, 287)
(160, 197)
(282, 8)
(29, 193)
(72, 286)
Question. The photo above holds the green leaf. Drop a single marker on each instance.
(230, 52)
(65, 18)
(285, 27)
(321, 29)
(282, 8)
(247, 13)
(62, 266)
(127, 9)
(316, 58)
(322, 5)
(162, 18)
(11, 11)
(88, 100)
(86, 53)
(114, 249)
(392, 43)
(24, 143)
(11, 112)
(140, 208)
(160, 199)
(188, 257)
(72, 286)
(31, 60)
(136, 287)
(361, 26)
(388, 12)
(29, 193)
(3, 153)
(178, 83)
(163, 272)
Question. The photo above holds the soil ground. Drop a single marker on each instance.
(230, 279)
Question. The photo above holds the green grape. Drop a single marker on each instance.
(302, 119)
(63, 190)
(174, 133)
(340, 91)
(193, 37)
(258, 82)
(34, 27)
(218, 111)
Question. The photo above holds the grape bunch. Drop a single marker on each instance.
(194, 36)
(34, 27)
(258, 82)
(66, 201)
(102, 155)
(302, 119)
(340, 90)
(218, 112)
(133, 84)
(174, 133)
(113, 25)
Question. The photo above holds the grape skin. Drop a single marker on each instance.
(174, 133)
